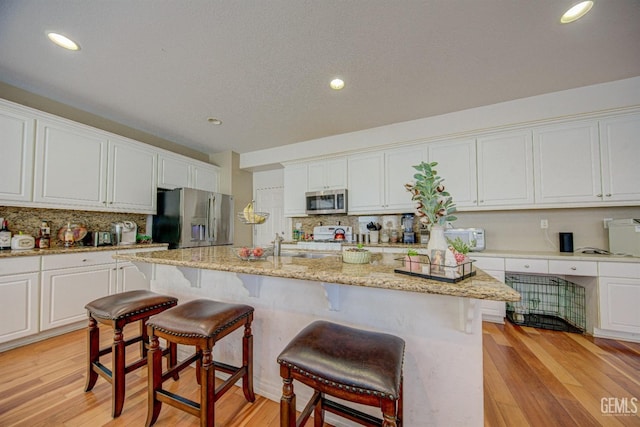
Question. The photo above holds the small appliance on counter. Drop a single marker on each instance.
(102, 238)
(124, 233)
(474, 237)
(408, 235)
(22, 241)
(624, 237)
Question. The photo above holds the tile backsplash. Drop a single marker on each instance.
(28, 220)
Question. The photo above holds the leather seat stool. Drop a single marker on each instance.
(118, 311)
(351, 364)
(200, 323)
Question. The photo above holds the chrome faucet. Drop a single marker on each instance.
(277, 242)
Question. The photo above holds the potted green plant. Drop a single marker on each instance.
(412, 261)
(357, 255)
(434, 204)
(434, 208)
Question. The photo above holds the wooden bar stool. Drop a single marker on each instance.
(200, 323)
(351, 364)
(118, 311)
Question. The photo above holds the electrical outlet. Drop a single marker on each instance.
(544, 223)
(606, 222)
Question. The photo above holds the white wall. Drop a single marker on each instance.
(572, 102)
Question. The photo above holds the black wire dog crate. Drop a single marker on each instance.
(547, 302)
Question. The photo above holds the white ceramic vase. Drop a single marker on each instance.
(439, 253)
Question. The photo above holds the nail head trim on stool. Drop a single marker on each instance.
(118, 311)
(200, 323)
(351, 364)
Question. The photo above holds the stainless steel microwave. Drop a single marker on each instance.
(326, 202)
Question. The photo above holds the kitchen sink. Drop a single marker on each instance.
(296, 254)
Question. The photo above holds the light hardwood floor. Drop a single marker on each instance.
(532, 378)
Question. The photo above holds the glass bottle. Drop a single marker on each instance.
(68, 236)
(44, 239)
(5, 235)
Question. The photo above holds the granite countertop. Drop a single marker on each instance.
(378, 274)
(568, 256)
(76, 249)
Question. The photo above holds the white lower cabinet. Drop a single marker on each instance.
(619, 299)
(65, 291)
(492, 311)
(19, 283)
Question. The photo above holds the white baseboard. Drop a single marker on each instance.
(616, 335)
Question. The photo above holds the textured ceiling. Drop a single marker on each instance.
(263, 66)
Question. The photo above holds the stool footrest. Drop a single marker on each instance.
(179, 402)
(238, 373)
(350, 413)
(102, 370)
(127, 343)
(306, 412)
(180, 367)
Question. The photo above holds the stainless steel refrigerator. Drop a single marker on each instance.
(190, 218)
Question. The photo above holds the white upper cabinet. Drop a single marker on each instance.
(567, 163)
(399, 170)
(16, 146)
(175, 171)
(204, 177)
(81, 167)
(457, 166)
(131, 185)
(71, 165)
(620, 156)
(330, 174)
(366, 183)
(505, 169)
(295, 185)
(377, 179)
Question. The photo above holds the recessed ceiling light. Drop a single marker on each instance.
(336, 84)
(576, 12)
(63, 41)
(214, 121)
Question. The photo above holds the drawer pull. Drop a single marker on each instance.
(85, 260)
(574, 268)
(526, 266)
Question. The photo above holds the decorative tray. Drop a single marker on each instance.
(421, 266)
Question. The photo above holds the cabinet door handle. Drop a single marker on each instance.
(599, 195)
(608, 195)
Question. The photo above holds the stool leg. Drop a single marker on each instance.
(400, 415)
(207, 389)
(318, 413)
(154, 365)
(198, 366)
(247, 362)
(145, 337)
(288, 400)
(172, 359)
(93, 351)
(389, 413)
(117, 374)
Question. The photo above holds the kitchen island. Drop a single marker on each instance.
(439, 321)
